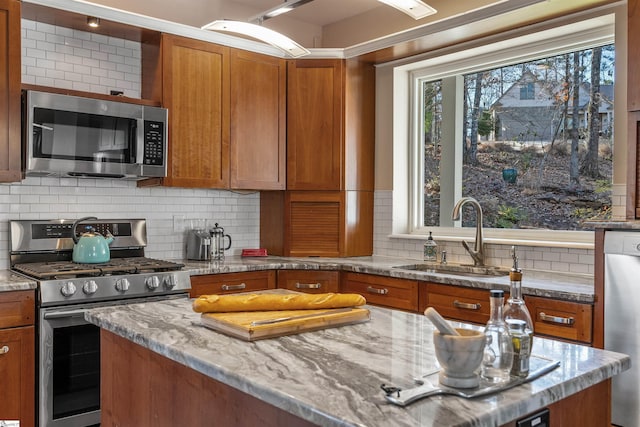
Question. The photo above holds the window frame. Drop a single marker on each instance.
(408, 76)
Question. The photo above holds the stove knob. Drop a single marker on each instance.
(68, 289)
(169, 282)
(90, 287)
(152, 282)
(122, 285)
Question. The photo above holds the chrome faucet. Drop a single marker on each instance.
(477, 253)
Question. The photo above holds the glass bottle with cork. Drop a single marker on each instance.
(518, 319)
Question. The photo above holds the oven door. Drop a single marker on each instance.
(69, 360)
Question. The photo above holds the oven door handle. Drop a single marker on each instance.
(64, 314)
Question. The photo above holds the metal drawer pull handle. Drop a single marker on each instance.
(308, 285)
(466, 305)
(4, 349)
(373, 290)
(557, 319)
(234, 287)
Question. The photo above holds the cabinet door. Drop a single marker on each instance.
(457, 302)
(17, 309)
(196, 92)
(315, 128)
(380, 290)
(17, 374)
(258, 121)
(309, 281)
(229, 283)
(10, 142)
(561, 319)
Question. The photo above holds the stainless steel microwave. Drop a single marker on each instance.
(85, 137)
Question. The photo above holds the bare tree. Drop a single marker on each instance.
(590, 165)
(574, 172)
(472, 153)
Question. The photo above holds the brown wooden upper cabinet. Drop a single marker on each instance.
(258, 121)
(195, 89)
(330, 132)
(227, 113)
(10, 141)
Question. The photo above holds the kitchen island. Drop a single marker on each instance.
(158, 353)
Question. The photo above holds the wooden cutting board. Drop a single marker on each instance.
(240, 324)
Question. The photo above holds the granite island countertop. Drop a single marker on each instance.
(332, 377)
(561, 286)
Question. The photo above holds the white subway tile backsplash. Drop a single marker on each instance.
(92, 56)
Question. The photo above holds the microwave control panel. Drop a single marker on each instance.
(153, 143)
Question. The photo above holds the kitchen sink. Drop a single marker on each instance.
(457, 270)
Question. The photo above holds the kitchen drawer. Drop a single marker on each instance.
(17, 308)
(380, 290)
(561, 319)
(227, 283)
(457, 302)
(310, 281)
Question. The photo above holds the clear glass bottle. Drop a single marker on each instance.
(498, 354)
(430, 249)
(517, 317)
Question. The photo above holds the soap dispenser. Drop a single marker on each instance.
(430, 249)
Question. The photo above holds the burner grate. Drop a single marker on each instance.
(66, 269)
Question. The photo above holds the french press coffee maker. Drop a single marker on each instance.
(217, 242)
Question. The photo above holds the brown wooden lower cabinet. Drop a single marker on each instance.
(561, 319)
(588, 408)
(381, 290)
(227, 283)
(456, 302)
(310, 281)
(163, 393)
(17, 357)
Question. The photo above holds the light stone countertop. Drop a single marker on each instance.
(10, 281)
(568, 287)
(332, 377)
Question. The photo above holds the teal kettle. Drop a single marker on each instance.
(90, 247)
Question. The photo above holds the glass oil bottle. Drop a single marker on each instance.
(518, 319)
(498, 355)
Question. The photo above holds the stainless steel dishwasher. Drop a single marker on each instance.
(622, 320)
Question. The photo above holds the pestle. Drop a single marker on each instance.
(439, 322)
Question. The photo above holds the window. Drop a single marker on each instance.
(526, 90)
(528, 132)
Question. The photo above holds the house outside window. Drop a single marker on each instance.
(472, 127)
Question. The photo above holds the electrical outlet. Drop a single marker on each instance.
(178, 223)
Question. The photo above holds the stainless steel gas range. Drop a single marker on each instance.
(68, 346)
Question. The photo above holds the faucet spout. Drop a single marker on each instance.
(477, 253)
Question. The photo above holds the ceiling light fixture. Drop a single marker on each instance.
(285, 7)
(93, 22)
(415, 8)
(274, 38)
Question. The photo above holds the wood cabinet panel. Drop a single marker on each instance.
(315, 124)
(310, 281)
(10, 77)
(196, 92)
(170, 394)
(17, 371)
(317, 223)
(258, 121)
(227, 283)
(17, 308)
(456, 302)
(379, 290)
(561, 319)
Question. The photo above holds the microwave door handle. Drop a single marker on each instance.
(140, 142)
(38, 125)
